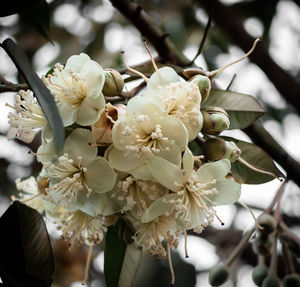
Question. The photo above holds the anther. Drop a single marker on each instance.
(133, 70)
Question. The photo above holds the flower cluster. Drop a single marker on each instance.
(131, 160)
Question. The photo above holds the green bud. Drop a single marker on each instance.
(262, 245)
(215, 120)
(271, 281)
(218, 275)
(268, 222)
(259, 273)
(291, 280)
(204, 85)
(114, 83)
(217, 148)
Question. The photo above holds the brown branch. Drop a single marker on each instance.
(164, 46)
(11, 87)
(229, 20)
(261, 137)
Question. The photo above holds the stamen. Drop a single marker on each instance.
(171, 265)
(149, 52)
(213, 74)
(87, 265)
(247, 164)
(252, 214)
(133, 70)
(33, 197)
(36, 154)
(96, 145)
(222, 223)
(185, 244)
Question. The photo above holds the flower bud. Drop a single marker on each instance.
(217, 148)
(271, 281)
(215, 120)
(259, 273)
(218, 275)
(204, 85)
(291, 280)
(114, 83)
(262, 245)
(268, 222)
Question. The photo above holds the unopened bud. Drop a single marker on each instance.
(259, 273)
(262, 245)
(215, 120)
(291, 280)
(271, 281)
(218, 275)
(114, 83)
(268, 222)
(217, 148)
(204, 85)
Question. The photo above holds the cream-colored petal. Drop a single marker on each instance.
(229, 192)
(214, 170)
(78, 144)
(155, 96)
(166, 173)
(123, 160)
(173, 129)
(162, 77)
(143, 106)
(188, 163)
(162, 206)
(76, 62)
(194, 127)
(68, 113)
(100, 175)
(90, 110)
(142, 173)
(171, 153)
(46, 151)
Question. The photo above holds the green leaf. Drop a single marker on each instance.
(26, 255)
(121, 261)
(242, 109)
(41, 92)
(257, 157)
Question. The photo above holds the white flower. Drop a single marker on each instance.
(143, 132)
(197, 191)
(79, 178)
(77, 89)
(27, 117)
(78, 228)
(177, 98)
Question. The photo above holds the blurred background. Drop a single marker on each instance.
(98, 29)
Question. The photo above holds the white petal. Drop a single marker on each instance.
(194, 127)
(229, 192)
(100, 176)
(90, 110)
(155, 96)
(143, 106)
(123, 160)
(161, 206)
(172, 153)
(76, 62)
(46, 151)
(166, 173)
(214, 170)
(77, 144)
(188, 162)
(93, 205)
(173, 129)
(68, 113)
(141, 173)
(162, 77)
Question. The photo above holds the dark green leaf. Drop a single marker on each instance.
(257, 157)
(43, 95)
(242, 109)
(26, 257)
(121, 261)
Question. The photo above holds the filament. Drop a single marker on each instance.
(87, 265)
(171, 265)
(252, 214)
(185, 243)
(150, 54)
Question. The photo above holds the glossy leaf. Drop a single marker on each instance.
(257, 157)
(242, 109)
(121, 261)
(41, 92)
(26, 257)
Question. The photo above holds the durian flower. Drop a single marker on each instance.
(143, 132)
(77, 89)
(27, 118)
(197, 191)
(79, 178)
(177, 98)
(78, 228)
(137, 195)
